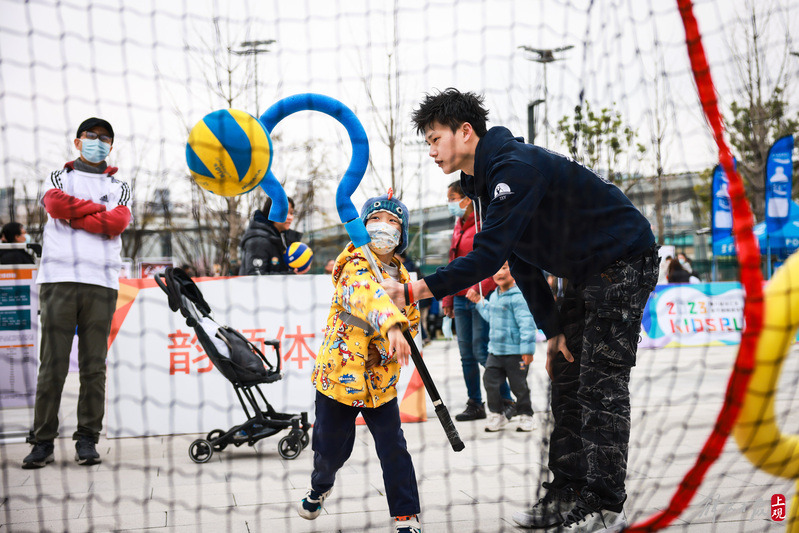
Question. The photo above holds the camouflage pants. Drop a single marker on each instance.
(601, 320)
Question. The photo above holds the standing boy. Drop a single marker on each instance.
(546, 212)
(264, 242)
(358, 366)
(87, 211)
(511, 345)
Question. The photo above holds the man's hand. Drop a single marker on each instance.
(473, 296)
(304, 271)
(397, 345)
(527, 358)
(448, 311)
(555, 347)
(395, 291)
(373, 358)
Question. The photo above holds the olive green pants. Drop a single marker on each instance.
(65, 307)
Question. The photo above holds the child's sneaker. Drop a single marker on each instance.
(311, 506)
(526, 423)
(407, 524)
(496, 421)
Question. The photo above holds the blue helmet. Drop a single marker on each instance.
(393, 206)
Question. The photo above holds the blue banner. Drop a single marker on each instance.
(722, 207)
(779, 169)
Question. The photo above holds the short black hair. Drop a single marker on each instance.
(456, 187)
(452, 108)
(10, 231)
(268, 205)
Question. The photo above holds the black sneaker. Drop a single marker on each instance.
(41, 454)
(85, 453)
(588, 516)
(473, 411)
(509, 408)
(550, 511)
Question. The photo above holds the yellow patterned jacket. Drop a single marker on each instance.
(340, 370)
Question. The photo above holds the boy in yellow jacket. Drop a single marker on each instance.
(358, 366)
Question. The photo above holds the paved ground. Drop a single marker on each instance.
(151, 484)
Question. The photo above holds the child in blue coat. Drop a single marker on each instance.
(511, 345)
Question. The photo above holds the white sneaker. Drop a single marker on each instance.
(311, 505)
(584, 520)
(526, 423)
(407, 524)
(496, 421)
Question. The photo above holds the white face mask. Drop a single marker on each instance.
(455, 208)
(385, 237)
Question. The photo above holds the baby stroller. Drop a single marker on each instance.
(244, 365)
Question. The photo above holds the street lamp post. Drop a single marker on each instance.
(531, 119)
(544, 56)
(253, 48)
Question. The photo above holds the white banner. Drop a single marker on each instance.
(161, 382)
(19, 328)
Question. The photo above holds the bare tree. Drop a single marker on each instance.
(389, 119)
(215, 221)
(761, 114)
(658, 132)
(34, 216)
(389, 132)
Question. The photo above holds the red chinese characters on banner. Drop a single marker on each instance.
(299, 347)
(187, 353)
(184, 349)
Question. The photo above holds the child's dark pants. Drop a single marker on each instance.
(334, 437)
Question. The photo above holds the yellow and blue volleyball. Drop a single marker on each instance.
(298, 255)
(228, 152)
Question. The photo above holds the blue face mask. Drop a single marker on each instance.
(455, 209)
(95, 150)
(28, 238)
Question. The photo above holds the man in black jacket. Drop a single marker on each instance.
(545, 212)
(264, 243)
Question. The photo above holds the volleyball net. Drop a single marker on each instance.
(651, 95)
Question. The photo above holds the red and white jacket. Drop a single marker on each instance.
(462, 244)
(86, 214)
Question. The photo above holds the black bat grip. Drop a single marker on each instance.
(449, 428)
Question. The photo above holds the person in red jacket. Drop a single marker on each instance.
(470, 328)
(78, 279)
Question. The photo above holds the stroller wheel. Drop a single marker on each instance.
(305, 440)
(212, 436)
(200, 451)
(289, 447)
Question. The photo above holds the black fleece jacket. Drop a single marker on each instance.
(542, 212)
(262, 248)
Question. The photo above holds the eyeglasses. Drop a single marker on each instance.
(92, 136)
